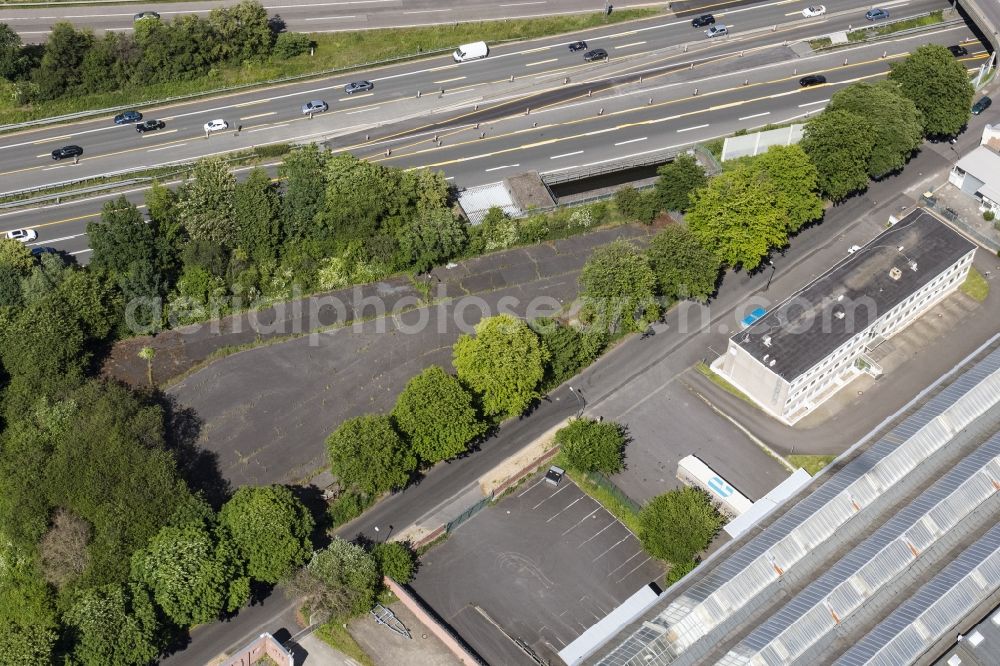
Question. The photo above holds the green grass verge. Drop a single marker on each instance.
(336, 636)
(811, 464)
(341, 50)
(619, 509)
(722, 383)
(821, 43)
(975, 286)
(930, 19)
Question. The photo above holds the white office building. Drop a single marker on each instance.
(807, 348)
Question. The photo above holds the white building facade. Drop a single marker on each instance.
(810, 346)
(977, 174)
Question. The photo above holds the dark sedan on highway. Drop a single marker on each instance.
(578, 46)
(150, 126)
(596, 54)
(67, 151)
(958, 50)
(812, 80)
(876, 14)
(128, 117)
(702, 21)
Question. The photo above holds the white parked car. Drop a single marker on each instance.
(216, 125)
(23, 235)
(815, 10)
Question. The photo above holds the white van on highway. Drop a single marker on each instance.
(473, 51)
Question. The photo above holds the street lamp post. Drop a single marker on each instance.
(771, 276)
(579, 397)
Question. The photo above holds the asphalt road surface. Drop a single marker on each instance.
(34, 24)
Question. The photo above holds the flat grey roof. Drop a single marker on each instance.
(977, 650)
(804, 329)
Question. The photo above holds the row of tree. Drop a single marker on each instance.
(75, 62)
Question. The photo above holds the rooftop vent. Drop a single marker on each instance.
(771, 364)
(913, 266)
(766, 340)
(838, 311)
(895, 273)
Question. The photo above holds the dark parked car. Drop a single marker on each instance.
(958, 51)
(578, 46)
(596, 54)
(150, 126)
(812, 80)
(876, 14)
(702, 21)
(39, 251)
(67, 151)
(128, 117)
(358, 86)
(981, 106)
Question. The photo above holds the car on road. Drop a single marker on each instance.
(358, 86)
(876, 14)
(702, 21)
(67, 151)
(143, 16)
(215, 125)
(315, 106)
(473, 51)
(22, 235)
(150, 126)
(128, 117)
(814, 10)
(578, 46)
(812, 80)
(981, 105)
(958, 51)
(595, 54)
(717, 31)
(39, 251)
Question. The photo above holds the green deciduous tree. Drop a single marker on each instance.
(193, 571)
(60, 72)
(636, 205)
(893, 141)
(619, 287)
(304, 171)
(678, 179)
(434, 236)
(679, 524)
(939, 86)
(796, 182)
(242, 31)
(437, 416)
(504, 363)
(271, 530)
(588, 445)
(684, 268)
(395, 560)
(206, 202)
(256, 209)
(339, 581)
(839, 144)
(12, 59)
(115, 625)
(568, 349)
(16, 255)
(368, 454)
(46, 338)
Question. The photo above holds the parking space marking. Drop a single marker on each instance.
(550, 497)
(528, 489)
(637, 553)
(624, 538)
(634, 570)
(553, 517)
(608, 526)
(579, 522)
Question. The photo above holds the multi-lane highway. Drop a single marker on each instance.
(564, 129)
(34, 24)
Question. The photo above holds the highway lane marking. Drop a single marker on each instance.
(523, 4)
(350, 97)
(153, 150)
(55, 138)
(158, 133)
(260, 115)
(506, 166)
(81, 252)
(457, 78)
(429, 11)
(756, 115)
(622, 143)
(896, 3)
(688, 129)
(540, 62)
(164, 12)
(557, 157)
(365, 110)
(330, 18)
(267, 127)
(822, 101)
(625, 46)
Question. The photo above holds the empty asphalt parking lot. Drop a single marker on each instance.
(540, 566)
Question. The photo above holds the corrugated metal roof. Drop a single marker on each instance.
(477, 201)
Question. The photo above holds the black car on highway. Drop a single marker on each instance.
(981, 105)
(150, 126)
(812, 80)
(578, 46)
(128, 117)
(702, 21)
(958, 51)
(596, 54)
(67, 151)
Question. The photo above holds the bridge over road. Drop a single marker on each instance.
(986, 15)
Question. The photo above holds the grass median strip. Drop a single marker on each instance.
(722, 383)
(810, 463)
(334, 51)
